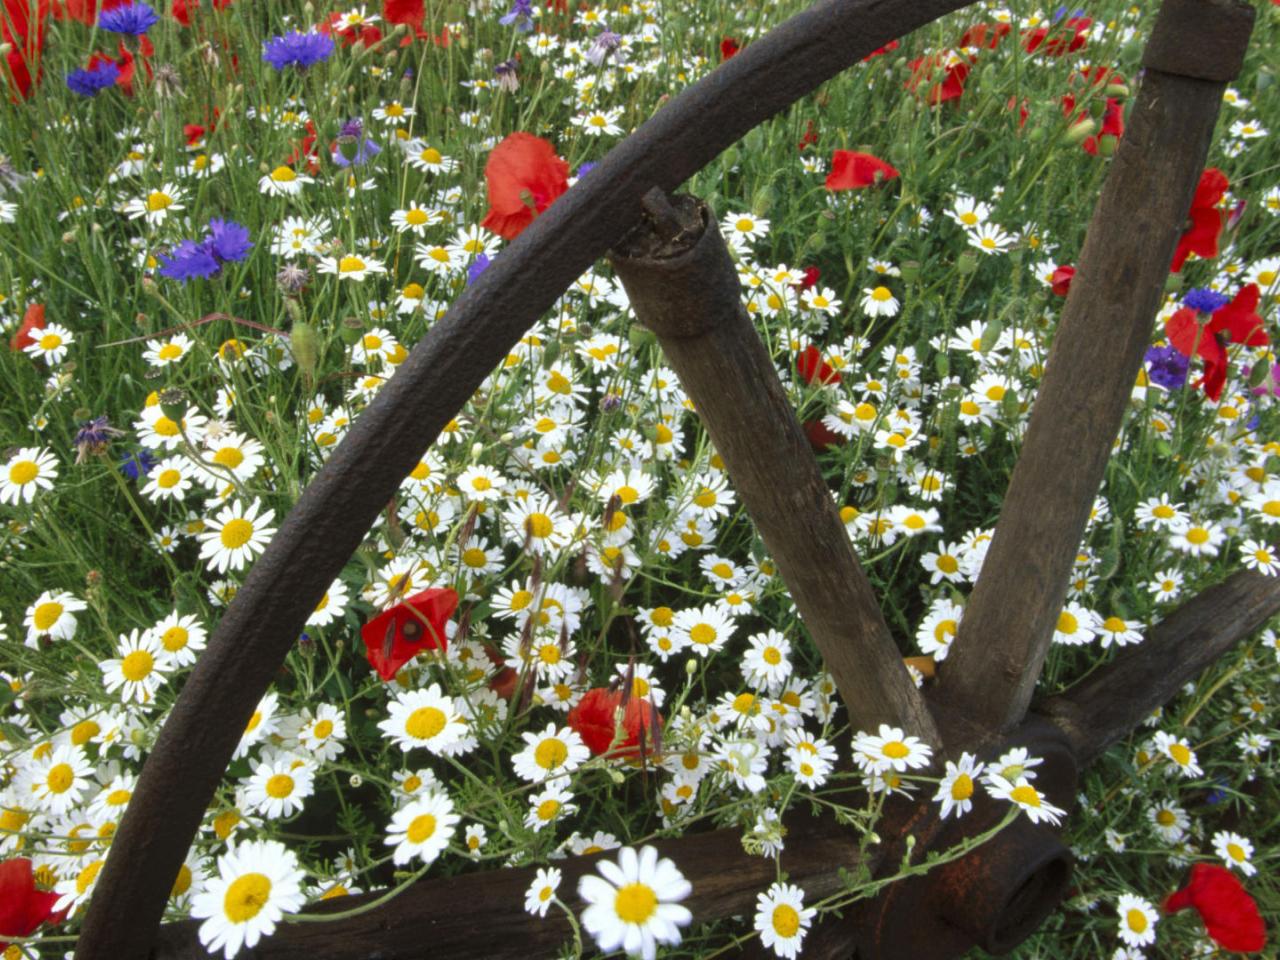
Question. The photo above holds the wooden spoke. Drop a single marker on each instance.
(1105, 707)
(682, 285)
(1096, 355)
(481, 915)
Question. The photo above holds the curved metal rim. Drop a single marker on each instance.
(441, 373)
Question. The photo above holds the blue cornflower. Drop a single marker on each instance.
(297, 48)
(477, 267)
(1205, 301)
(98, 77)
(353, 147)
(135, 465)
(1167, 367)
(520, 14)
(226, 242)
(134, 18)
(584, 168)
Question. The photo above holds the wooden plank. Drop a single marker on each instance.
(481, 915)
(440, 374)
(1111, 702)
(1097, 352)
(684, 287)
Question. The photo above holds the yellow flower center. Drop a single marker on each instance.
(538, 525)
(23, 472)
(280, 786)
(350, 264)
(322, 730)
(245, 897)
(425, 723)
(548, 809)
(635, 903)
(1181, 755)
(169, 479)
(236, 533)
(1067, 623)
(1198, 535)
(703, 634)
(183, 883)
(772, 656)
(431, 155)
(881, 294)
(785, 920)
(174, 639)
(85, 878)
(1025, 795)
(550, 754)
(158, 200)
(283, 175)
(1236, 852)
(1136, 919)
(60, 778)
(84, 731)
(137, 665)
(46, 615)
(896, 750)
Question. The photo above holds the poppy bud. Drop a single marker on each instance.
(1079, 132)
(304, 344)
(173, 404)
(966, 264)
(1116, 90)
(1107, 145)
(351, 330)
(910, 270)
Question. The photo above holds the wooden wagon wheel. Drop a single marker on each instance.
(675, 269)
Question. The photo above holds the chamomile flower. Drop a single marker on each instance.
(599, 122)
(879, 302)
(745, 226)
(170, 479)
(1236, 851)
(1138, 920)
(279, 784)
(350, 266)
(29, 470)
(1026, 796)
(283, 182)
(1076, 625)
(52, 615)
(1198, 538)
(767, 660)
(481, 483)
(258, 882)
(323, 731)
(58, 780)
(1169, 821)
(1158, 513)
(155, 205)
(163, 353)
(180, 637)
(537, 899)
(51, 343)
(1166, 586)
(635, 903)
(1119, 631)
(552, 753)
(262, 724)
(552, 804)
(782, 919)
(706, 629)
(955, 790)
(422, 156)
(1179, 751)
(412, 218)
(423, 718)
(1260, 556)
(990, 239)
(889, 749)
(422, 828)
(237, 535)
(139, 670)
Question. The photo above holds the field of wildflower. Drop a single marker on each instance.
(224, 225)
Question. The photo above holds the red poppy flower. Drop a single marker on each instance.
(594, 720)
(950, 87)
(810, 137)
(813, 368)
(1072, 36)
(986, 35)
(25, 36)
(1235, 322)
(524, 176)
(22, 907)
(33, 319)
(365, 33)
(852, 171)
(1060, 280)
(728, 47)
(1230, 915)
(1204, 220)
(821, 436)
(887, 48)
(307, 148)
(408, 12)
(396, 636)
(811, 277)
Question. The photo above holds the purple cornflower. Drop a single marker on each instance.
(93, 437)
(353, 147)
(132, 18)
(586, 167)
(605, 43)
(477, 267)
(98, 77)
(1167, 367)
(299, 49)
(135, 465)
(520, 15)
(508, 75)
(1205, 301)
(226, 242)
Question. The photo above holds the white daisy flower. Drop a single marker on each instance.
(879, 302)
(181, 638)
(170, 479)
(139, 670)
(635, 905)
(350, 266)
(279, 784)
(542, 891)
(283, 182)
(156, 205)
(28, 470)
(423, 718)
(53, 615)
(1138, 920)
(1025, 796)
(782, 919)
(422, 828)
(955, 791)
(890, 749)
(58, 780)
(1235, 851)
(236, 536)
(551, 753)
(258, 882)
(50, 343)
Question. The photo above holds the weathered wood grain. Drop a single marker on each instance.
(1097, 352)
(690, 296)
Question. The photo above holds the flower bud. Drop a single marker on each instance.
(1079, 132)
(304, 344)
